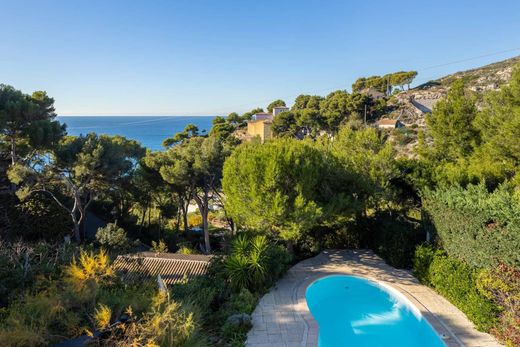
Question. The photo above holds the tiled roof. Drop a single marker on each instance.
(173, 268)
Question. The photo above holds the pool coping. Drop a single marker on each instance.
(282, 318)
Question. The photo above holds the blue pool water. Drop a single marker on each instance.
(353, 311)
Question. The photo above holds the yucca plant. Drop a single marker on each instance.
(246, 266)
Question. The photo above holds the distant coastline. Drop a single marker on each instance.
(150, 131)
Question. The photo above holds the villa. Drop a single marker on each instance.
(260, 125)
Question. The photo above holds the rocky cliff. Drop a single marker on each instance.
(412, 105)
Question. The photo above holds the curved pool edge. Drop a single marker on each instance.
(443, 332)
(282, 317)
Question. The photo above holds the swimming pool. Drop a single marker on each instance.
(354, 311)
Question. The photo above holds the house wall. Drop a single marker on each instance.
(386, 126)
(278, 110)
(259, 128)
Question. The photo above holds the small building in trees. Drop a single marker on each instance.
(262, 116)
(279, 109)
(386, 123)
(260, 128)
(261, 124)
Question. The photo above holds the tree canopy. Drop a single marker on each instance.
(285, 186)
(276, 103)
(27, 121)
(79, 170)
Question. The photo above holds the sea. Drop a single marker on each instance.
(150, 131)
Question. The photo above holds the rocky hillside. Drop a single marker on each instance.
(412, 105)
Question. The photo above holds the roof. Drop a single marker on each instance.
(281, 107)
(173, 268)
(386, 121)
(263, 114)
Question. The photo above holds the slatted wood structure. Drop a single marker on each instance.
(145, 266)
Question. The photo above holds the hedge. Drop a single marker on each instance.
(472, 224)
(457, 282)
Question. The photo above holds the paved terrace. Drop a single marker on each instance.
(282, 318)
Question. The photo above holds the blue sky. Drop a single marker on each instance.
(214, 57)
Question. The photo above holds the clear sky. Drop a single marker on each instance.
(213, 57)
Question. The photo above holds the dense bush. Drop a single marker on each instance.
(502, 285)
(394, 238)
(228, 288)
(480, 227)
(456, 281)
(22, 263)
(36, 218)
(112, 237)
(86, 296)
(422, 260)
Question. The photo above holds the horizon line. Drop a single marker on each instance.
(132, 115)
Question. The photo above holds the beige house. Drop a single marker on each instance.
(386, 123)
(260, 128)
(261, 124)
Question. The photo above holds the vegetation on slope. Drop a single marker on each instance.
(326, 180)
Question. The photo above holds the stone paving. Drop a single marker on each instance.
(282, 318)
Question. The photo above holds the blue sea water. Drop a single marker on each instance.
(353, 311)
(150, 131)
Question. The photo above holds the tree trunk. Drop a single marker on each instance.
(77, 235)
(82, 224)
(13, 151)
(202, 204)
(178, 219)
(143, 217)
(207, 244)
(185, 215)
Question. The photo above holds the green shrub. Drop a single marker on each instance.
(21, 264)
(235, 335)
(278, 261)
(502, 285)
(36, 218)
(394, 238)
(112, 237)
(457, 282)
(159, 247)
(243, 302)
(423, 258)
(472, 224)
(186, 248)
(346, 236)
